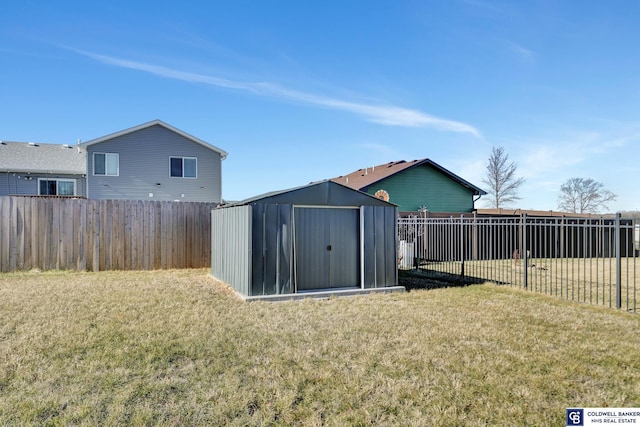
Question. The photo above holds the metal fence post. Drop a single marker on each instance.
(525, 258)
(462, 246)
(618, 263)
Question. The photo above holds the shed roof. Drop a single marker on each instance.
(323, 193)
(363, 178)
(42, 158)
(223, 154)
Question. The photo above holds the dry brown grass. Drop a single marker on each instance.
(590, 280)
(178, 348)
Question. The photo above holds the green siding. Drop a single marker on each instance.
(424, 186)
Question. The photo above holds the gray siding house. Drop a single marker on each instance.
(33, 169)
(154, 161)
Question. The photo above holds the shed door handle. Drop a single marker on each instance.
(329, 247)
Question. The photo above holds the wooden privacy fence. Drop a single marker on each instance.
(80, 234)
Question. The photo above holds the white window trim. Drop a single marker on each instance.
(57, 180)
(183, 157)
(105, 165)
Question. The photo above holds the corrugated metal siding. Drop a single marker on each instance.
(344, 257)
(318, 223)
(317, 266)
(380, 246)
(144, 162)
(15, 184)
(231, 247)
(271, 250)
(424, 186)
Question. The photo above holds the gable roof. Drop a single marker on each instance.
(42, 158)
(363, 178)
(223, 154)
(324, 192)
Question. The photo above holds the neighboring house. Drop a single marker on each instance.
(34, 169)
(418, 185)
(154, 161)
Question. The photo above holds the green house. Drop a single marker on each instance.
(418, 185)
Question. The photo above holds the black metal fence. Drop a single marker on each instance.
(591, 260)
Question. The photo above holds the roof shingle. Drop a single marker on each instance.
(42, 158)
(363, 178)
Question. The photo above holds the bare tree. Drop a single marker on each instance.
(501, 179)
(584, 195)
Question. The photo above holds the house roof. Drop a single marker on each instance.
(363, 178)
(317, 193)
(42, 158)
(223, 154)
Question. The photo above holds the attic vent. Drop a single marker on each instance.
(65, 146)
(3, 143)
(33, 144)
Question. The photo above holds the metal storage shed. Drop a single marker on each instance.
(319, 239)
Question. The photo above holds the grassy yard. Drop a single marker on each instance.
(178, 348)
(591, 280)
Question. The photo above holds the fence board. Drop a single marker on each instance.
(59, 233)
(164, 231)
(55, 233)
(95, 235)
(20, 233)
(27, 262)
(68, 235)
(157, 242)
(46, 249)
(5, 232)
(107, 235)
(132, 229)
(81, 212)
(33, 233)
(13, 237)
(147, 237)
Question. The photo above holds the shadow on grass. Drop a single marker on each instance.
(431, 279)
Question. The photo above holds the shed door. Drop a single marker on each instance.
(327, 242)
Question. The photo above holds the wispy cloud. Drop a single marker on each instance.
(524, 54)
(573, 151)
(547, 159)
(384, 114)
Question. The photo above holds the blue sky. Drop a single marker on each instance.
(300, 91)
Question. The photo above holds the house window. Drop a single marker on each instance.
(106, 164)
(56, 187)
(183, 167)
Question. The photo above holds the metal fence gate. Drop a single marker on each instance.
(591, 260)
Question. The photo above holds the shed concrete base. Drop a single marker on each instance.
(323, 294)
